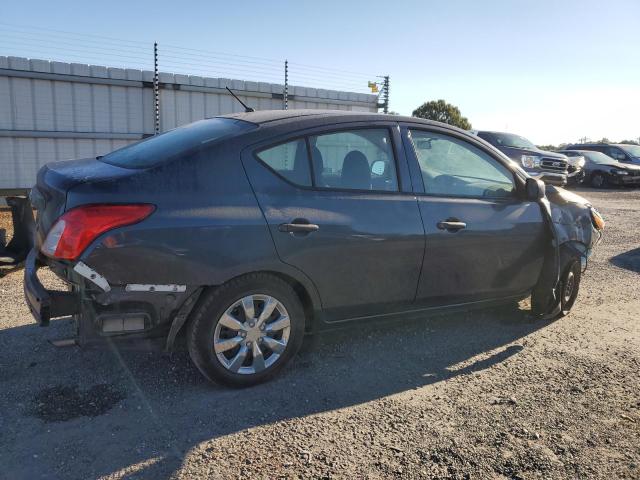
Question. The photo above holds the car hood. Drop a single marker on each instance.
(628, 167)
(561, 198)
(513, 152)
(615, 164)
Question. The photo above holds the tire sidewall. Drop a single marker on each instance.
(202, 327)
(602, 184)
(566, 305)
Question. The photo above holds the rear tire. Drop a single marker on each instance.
(249, 349)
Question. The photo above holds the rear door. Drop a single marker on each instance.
(482, 241)
(339, 207)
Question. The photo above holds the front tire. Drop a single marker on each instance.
(245, 331)
(569, 286)
(598, 180)
(565, 294)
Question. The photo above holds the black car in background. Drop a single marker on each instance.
(550, 167)
(575, 167)
(245, 232)
(620, 152)
(602, 170)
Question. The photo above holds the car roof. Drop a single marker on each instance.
(262, 117)
(498, 133)
(575, 146)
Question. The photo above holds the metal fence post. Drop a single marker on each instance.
(285, 96)
(156, 88)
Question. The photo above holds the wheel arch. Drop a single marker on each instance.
(573, 249)
(302, 286)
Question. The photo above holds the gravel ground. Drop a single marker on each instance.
(475, 395)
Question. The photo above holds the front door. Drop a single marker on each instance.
(336, 211)
(482, 241)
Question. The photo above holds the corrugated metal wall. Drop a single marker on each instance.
(58, 111)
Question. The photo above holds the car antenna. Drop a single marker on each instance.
(246, 109)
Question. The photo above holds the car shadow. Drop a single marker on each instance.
(150, 410)
(629, 260)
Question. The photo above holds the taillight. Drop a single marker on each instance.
(77, 228)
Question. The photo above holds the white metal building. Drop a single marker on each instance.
(57, 111)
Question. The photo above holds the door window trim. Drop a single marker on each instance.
(518, 180)
(314, 187)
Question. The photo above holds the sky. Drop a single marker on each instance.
(552, 71)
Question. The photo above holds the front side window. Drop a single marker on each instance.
(354, 160)
(616, 153)
(289, 160)
(451, 167)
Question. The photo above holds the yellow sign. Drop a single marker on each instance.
(374, 87)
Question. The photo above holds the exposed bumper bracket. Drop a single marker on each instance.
(23, 231)
(46, 304)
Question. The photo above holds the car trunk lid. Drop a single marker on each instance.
(55, 180)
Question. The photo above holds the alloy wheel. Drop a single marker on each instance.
(568, 287)
(252, 334)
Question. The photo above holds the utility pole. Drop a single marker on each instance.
(156, 88)
(285, 96)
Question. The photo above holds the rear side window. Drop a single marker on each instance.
(289, 160)
(354, 160)
(176, 142)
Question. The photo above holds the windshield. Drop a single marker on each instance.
(511, 140)
(633, 150)
(155, 150)
(598, 157)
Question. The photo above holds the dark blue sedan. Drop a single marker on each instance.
(245, 232)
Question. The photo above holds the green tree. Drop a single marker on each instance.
(444, 112)
(549, 148)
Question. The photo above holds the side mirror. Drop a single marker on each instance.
(378, 167)
(534, 189)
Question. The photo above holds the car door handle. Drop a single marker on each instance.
(298, 227)
(451, 225)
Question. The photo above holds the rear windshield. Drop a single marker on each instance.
(158, 149)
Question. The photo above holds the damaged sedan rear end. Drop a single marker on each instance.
(247, 231)
(124, 230)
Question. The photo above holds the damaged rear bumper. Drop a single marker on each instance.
(131, 313)
(46, 304)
